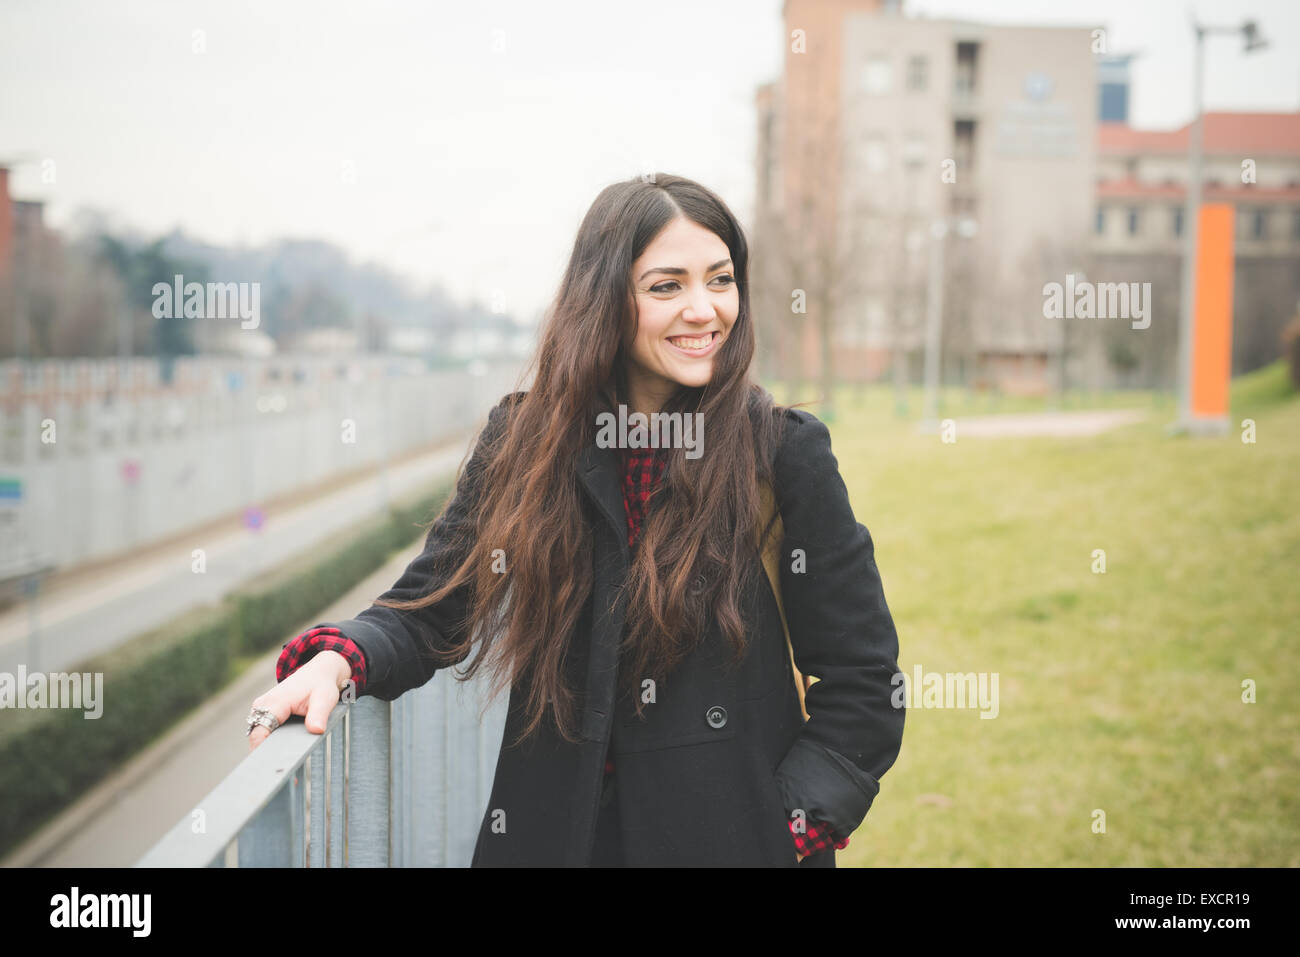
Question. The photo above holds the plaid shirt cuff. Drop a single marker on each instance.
(818, 837)
(298, 652)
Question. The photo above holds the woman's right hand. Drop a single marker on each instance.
(313, 691)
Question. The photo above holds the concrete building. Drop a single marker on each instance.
(1013, 143)
(985, 132)
(989, 130)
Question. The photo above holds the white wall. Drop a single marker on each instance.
(201, 450)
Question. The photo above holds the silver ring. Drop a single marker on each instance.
(263, 717)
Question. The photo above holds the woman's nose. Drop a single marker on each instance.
(700, 308)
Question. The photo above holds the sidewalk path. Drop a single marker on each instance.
(1065, 424)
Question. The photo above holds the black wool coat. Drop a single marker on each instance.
(711, 774)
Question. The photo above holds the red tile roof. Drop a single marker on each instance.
(1237, 134)
(1237, 193)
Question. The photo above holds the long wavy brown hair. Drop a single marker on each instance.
(693, 557)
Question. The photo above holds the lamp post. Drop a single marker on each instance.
(1057, 400)
(1252, 41)
(939, 229)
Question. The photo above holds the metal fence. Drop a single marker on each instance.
(388, 784)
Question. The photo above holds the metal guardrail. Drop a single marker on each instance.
(388, 784)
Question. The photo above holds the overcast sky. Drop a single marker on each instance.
(463, 142)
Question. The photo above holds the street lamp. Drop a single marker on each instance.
(965, 227)
(1252, 41)
(1062, 354)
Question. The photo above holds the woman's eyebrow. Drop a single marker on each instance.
(679, 271)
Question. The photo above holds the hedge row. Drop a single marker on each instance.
(49, 758)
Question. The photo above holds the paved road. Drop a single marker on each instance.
(119, 820)
(88, 617)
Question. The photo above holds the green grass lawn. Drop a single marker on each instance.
(1119, 692)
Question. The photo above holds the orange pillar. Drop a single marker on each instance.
(1212, 324)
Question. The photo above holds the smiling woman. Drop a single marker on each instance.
(681, 322)
(621, 593)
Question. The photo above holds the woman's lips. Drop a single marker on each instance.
(695, 345)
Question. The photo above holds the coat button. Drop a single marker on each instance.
(716, 716)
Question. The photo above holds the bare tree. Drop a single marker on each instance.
(811, 252)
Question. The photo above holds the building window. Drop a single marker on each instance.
(1259, 224)
(875, 157)
(918, 69)
(963, 207)
(1113, 105)
(877, 321)
(872, 228)
(913, 150)
(1101, 221)
(964, 146)
(965, 76)
(1133, 220)
(877, 78)
(1176, 214)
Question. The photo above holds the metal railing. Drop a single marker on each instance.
(388, 784)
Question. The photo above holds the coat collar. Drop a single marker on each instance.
(601, 473)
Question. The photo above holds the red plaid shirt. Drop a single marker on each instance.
(642, 471)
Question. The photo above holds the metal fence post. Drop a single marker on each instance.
(368, 786)
(265, 841)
